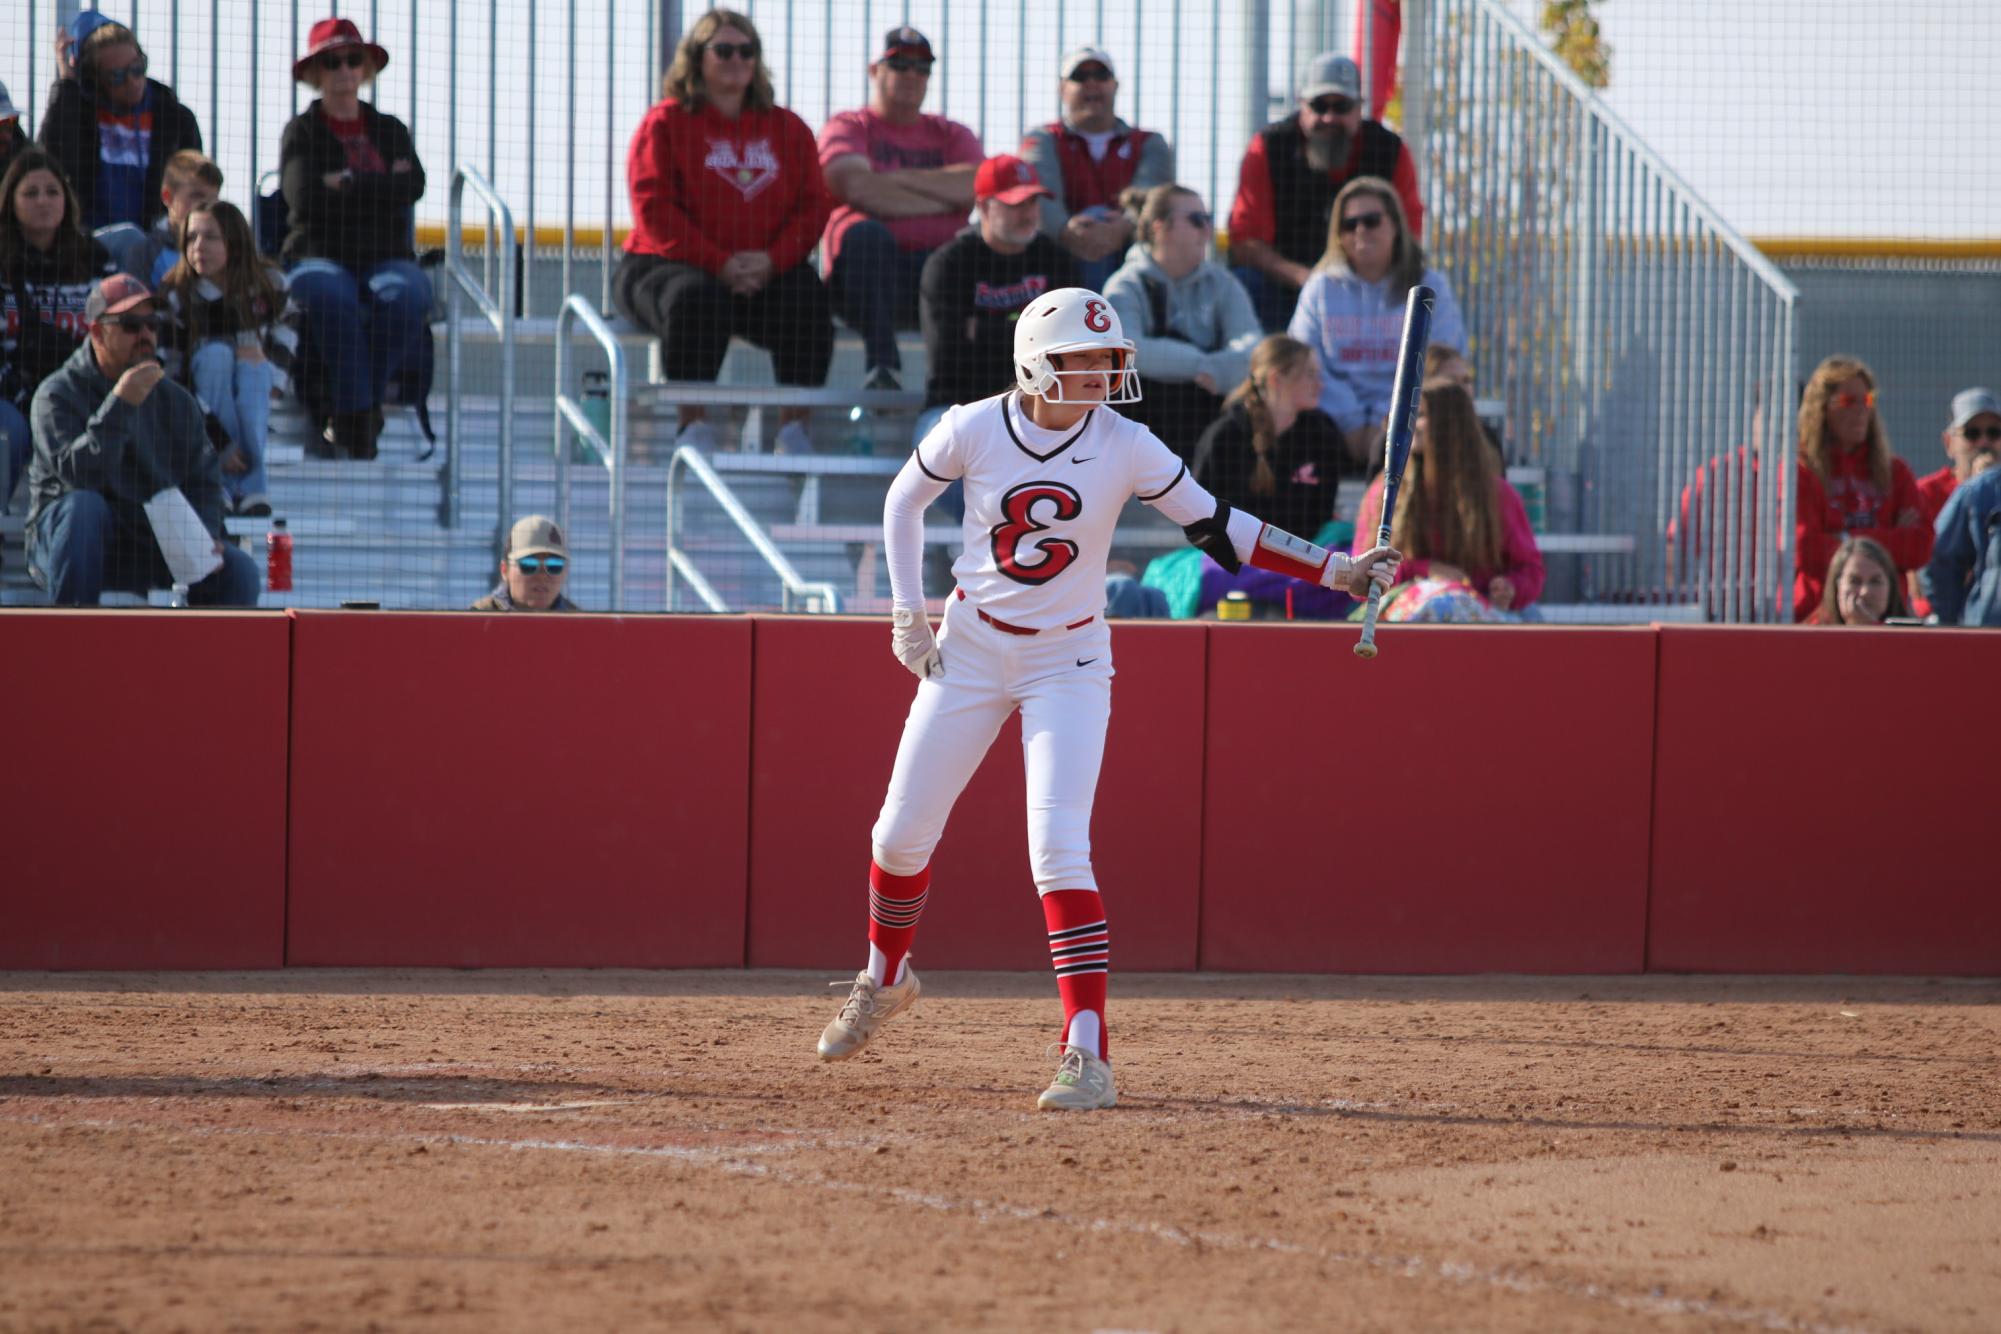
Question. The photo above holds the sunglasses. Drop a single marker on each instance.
(1200, 221)
(1332, 105)
(1867, 400)
(1976, 433)
(908, 65)
(537, 564)
(133, 324)
(114, 77)
(1371, 221)
(1091, 74)
(733, 50)
(334, 60)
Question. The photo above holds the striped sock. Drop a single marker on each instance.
(1080, 948)
(895, 902)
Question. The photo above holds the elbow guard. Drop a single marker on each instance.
(1211, 536)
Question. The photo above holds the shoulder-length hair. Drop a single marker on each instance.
(1813, 419)
(1406, 258)
(1852, 549)
(1450, 511)
(683, 81)
(1147, 207)
(248, 288)
(72, 247)
(103, 36)
(1275, 355)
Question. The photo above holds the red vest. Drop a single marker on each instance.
(1087, 183)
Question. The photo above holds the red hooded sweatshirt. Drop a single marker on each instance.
(1849, 504)
(704, 188)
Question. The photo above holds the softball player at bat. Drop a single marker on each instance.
(1046, 473)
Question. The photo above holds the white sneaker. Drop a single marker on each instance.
(701, 434)
(1083, 1083)
(792, 439)
(867, 1008)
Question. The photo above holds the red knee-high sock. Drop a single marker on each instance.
(1080, 947)
(895, 902)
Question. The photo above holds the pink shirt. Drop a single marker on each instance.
(929, 141)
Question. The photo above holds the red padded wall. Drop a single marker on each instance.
(553, 791)
(144, 787)
(1824, 802)
(1475, 799)
(830, 706)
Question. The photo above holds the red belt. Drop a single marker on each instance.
(1007, 629)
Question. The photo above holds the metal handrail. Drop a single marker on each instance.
(461, 282)
(806, 591)
(570, 415)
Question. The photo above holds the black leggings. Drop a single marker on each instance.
(694, 315)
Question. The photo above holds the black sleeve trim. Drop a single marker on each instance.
(918, 454)
(1169, 487)
(1211, 536)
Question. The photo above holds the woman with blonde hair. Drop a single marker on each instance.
(1863, 587)
(1351, 310)
(1850, 484)
(1273, 451)
(727, 203)
(1458, 521)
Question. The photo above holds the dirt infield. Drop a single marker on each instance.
(470, 1151)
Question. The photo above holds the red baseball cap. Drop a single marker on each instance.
(1008, 179)
(114, 296)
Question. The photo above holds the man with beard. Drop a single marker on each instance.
(1972, 444)
(1290, 175)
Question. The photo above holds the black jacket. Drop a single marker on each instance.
(1307, 461)
(968, 300)
(69, 133)
(1302, 198)
(369, 220)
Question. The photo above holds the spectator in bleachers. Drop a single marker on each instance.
(727, 204)
(1089, 159)
(111, 433)
(48, 265)
(1458, 521)
(1273, 452)
(12, 137)
(1449, 364)
(351, 176)
(1290, 176)
(977, 283)
(1192, 322)
(112, 129)
(1850, 483)
(1863, 586)
(1963, 578)
(1351, 310)
(231, 334)
(1973, 439)
(191, 181)
(903, 184)
(534, 571)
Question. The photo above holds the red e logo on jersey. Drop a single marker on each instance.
(1018, 521)
(1095, 318)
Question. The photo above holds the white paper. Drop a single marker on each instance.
(187, 545)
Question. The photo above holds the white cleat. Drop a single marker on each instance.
(1083, 1083)
(867, 1008)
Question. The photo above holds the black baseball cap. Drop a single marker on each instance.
(906, 41)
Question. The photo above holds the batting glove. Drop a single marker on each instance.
(910, 638)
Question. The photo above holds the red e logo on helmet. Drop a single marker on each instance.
(1095, 318)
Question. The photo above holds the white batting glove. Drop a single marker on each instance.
(1377, 565)
(910, 638)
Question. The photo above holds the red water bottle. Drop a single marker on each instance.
(278, 560)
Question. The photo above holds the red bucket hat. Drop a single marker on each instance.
(331, 35)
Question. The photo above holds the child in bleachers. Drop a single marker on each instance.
(190, 180)
(1863, 586)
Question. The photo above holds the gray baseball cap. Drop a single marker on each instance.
(1330, 73)
(1970, 403)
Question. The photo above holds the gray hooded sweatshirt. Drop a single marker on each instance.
(89, 439)
(1209, 323)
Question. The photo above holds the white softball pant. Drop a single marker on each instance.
(1061, 680)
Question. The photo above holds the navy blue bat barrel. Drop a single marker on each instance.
(1404, 399)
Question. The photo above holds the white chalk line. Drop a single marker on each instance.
(742, 1161)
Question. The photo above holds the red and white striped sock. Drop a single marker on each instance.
(895, 902)
(1080, 948)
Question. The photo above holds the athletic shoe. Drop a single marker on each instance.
(880, 378)
(867, 1009)
(792, 439)
(1083, 1083)
(254, 507)
(701, 434)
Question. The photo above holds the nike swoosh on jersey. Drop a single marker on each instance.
(1085, 662)
(1085, 459)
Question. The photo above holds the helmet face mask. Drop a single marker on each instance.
(1072, 319)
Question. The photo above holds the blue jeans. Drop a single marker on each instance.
(83, 545)
(20, 446)
(875, 287)
(362, 327)
(239, 394)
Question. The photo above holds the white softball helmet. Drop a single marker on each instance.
(1071, 319)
